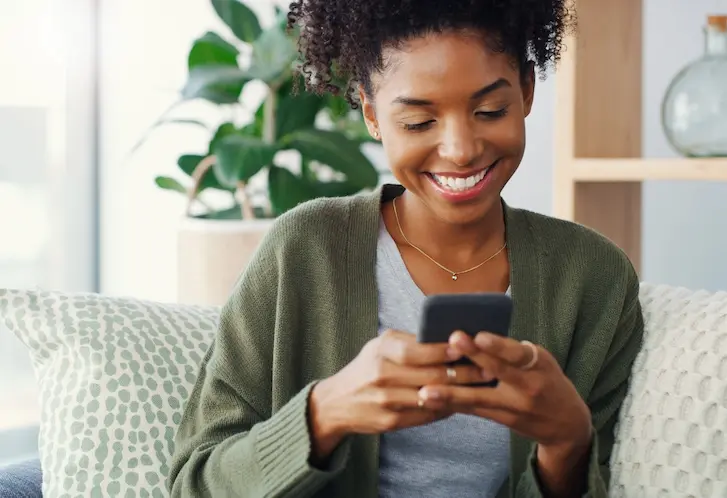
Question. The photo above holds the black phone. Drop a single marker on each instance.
(443, 314)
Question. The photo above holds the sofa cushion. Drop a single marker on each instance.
(113, 377)
(672, 432)
(21, 480)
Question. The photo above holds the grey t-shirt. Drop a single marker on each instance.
(462, 456)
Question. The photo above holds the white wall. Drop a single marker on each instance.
(46, 126)
(141, 72)
(530, 187)
(46, 180)
(143, 46)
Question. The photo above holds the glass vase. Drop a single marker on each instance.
(694, 109)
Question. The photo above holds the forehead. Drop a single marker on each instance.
(441, 65)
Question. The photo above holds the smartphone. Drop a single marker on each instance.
(444, 314)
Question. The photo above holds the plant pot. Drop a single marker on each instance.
(211, 256)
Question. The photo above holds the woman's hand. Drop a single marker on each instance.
(533, 398)
(378, 391)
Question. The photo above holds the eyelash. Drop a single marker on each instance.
(487, 115)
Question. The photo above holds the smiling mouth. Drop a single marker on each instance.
(462, 184)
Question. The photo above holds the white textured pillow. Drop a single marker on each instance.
(113, 376)
(672, 434)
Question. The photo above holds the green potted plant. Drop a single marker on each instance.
(321, 133)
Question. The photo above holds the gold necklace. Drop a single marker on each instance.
(455, 274)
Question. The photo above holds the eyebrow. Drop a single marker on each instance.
(501, 83)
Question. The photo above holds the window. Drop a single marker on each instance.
(47, 179)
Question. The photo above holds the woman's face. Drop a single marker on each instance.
(451, 117)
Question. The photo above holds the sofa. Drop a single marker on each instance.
(114, 374)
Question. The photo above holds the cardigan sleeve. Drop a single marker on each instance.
(605, 402)
(230, 441)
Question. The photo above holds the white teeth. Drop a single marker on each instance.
(460, 184)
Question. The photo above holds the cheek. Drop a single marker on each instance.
(406, 151)
(507, 136)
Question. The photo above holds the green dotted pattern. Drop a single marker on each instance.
(113, 376)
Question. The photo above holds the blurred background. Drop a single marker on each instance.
(81, 208)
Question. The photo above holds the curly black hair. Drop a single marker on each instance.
(341, 41)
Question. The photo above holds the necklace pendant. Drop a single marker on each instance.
(454, 276)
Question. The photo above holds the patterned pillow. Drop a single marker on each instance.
(113, 377)
(672, 433)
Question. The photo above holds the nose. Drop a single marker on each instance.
(460, 144)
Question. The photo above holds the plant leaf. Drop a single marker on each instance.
(188, 162)
(232, 213)
(337, 106)
(207, 52)
(296, 111)
(335, 150)
(281, 18)
(211, 49)
(334, 189)
(159, 122)
(168, 183)
(239, 158)
(224, 130)
(273, 54)
(354, 129)
(195, 122)
(220, 84)
(239, 17)
(287, 190)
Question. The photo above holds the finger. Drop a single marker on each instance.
(403, 348)
(403, 375)
(414, 418)
(463, 398)
(515, 353)
(491, 365)
(504, 417)
(400, 399)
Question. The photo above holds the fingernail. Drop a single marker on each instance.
(483, 340)
(456, 337)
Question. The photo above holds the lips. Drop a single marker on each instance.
(459, 183)
(461, 188)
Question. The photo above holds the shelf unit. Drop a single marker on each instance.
(599, 168)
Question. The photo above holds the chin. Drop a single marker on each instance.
(464, 215)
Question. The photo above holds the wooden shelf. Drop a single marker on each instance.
(598, 171)
(637, 169)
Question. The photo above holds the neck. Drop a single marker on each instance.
(458, 245)
(715, 42)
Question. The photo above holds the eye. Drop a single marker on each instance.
(418, 126)
(492, 114)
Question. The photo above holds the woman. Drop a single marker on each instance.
(316, 386)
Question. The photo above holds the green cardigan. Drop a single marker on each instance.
(306, 305)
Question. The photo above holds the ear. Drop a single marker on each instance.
(369, 114)
(527, 83)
